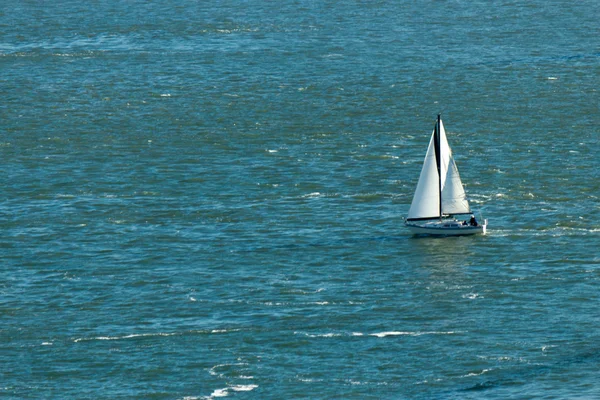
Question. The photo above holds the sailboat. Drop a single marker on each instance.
(440, 196)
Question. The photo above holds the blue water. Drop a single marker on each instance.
(205, 200)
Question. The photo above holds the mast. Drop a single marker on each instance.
(438, 159)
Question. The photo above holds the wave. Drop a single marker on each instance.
(320, 335)
(151, 335)
(418, 333)
(377, 334)
(214, 371)
(225, 391)
(131, 336)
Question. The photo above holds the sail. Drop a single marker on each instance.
(426, 201)
(454, 199)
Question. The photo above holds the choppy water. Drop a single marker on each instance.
(205, 200)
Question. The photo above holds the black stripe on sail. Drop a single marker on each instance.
(423, 219)
(438, 158)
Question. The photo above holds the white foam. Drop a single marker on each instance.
(243, 388)
(319, 335)
(132, 336)
(476, 373)
(158, 334)
(545, 348)
(402, 333)
(225, 391)
(213, 371)
(313, 194)
(219, 393)
(384, 334)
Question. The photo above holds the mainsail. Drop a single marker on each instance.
(439, 181)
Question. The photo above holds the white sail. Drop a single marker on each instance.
(454, 199)
(426, 201)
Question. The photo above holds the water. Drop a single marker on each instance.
(204, 200)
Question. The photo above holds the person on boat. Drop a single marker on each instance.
(473, 221)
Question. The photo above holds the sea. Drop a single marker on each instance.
(205, 199)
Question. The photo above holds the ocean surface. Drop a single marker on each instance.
(205, 199)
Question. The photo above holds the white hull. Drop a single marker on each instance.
(445, 228)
